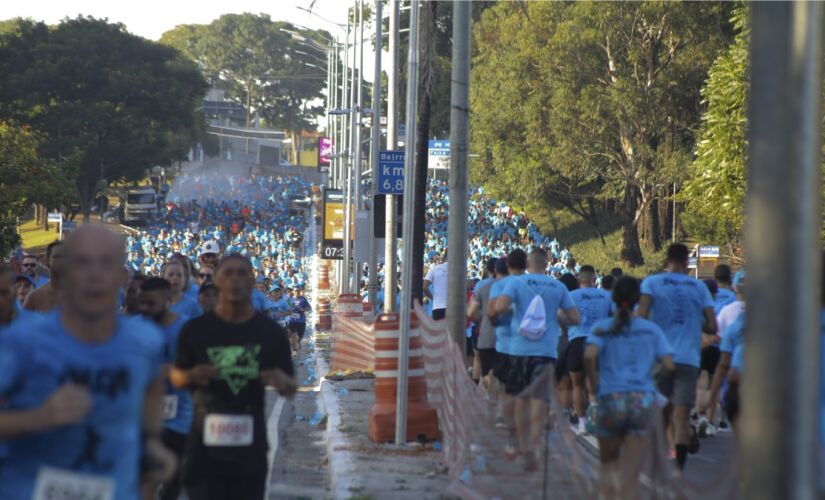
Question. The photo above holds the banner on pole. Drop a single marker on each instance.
(326, 150)
(332, 244)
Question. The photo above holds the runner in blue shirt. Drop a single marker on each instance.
(683, 309)
(298, 319)
(594, 305)
(175, 273)
(531, 353)
(732, 339)
(83, 386)
(155, 299)
(280, 307)
(620, 357)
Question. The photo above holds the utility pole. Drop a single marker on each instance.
(375, 148)
(390, 242)
(780, 410)
(457, 219)
(407, 262)
(358, 139)
(346, 272)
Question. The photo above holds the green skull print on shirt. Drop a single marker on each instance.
(237, 364)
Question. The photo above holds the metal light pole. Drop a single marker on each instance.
(779, 417)
(358, 138)
(457, 220)
(375, 147)
(390, 242)
(347, 177)
(409, 180)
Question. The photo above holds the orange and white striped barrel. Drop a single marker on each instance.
(324, 315)
(369, 312)
(323, 276)
(349, 305)
(422, 421)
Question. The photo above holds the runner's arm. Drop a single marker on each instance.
(68, 404)
(153, 407)
(474, 310)
(568, 317)
(709, 325)
(427, 292)
(498, 306)
(643, 311)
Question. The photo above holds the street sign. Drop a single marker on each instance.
(709, 252)
(693, 262)
(332, 245)
(390, 172)
(57, 218)
(439, 155)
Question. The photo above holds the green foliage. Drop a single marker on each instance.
(263, 67)
(22, 175)
(107, 104)
(715, 194)
(591, 106)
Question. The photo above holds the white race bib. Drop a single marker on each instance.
(227, 430)
(170, 406)
(296, 316)
(59, 484)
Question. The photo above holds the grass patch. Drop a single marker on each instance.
(35, 238)
(584, 243)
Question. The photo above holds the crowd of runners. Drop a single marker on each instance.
(156, 386)
(137, 369)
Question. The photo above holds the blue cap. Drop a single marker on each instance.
(738, 278)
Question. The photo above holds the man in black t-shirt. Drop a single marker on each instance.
(226, 357)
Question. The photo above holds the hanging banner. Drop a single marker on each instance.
(326, 150)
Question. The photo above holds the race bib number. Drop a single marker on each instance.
(227, 430)
(295, 316)
(170, 406)
(59, 484)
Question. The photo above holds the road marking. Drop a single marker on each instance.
(272, 436)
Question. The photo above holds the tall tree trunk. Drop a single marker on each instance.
(631, 253)
(427, 53)
(652, 234)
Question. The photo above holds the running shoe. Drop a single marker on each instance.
(702, 426)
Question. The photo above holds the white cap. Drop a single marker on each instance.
(210, 246)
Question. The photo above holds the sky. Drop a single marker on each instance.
(151, 18)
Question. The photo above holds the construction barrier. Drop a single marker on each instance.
(350, 305)
(369, 312)
(324, 315)
(352, 345)
(323, 276)
(422, 420)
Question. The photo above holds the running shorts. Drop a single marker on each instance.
(298, 329)
(680, 386)
(575, 354)
(524, 370)
(710, 358)
(623, 413)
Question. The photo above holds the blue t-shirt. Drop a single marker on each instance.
(187, 308)
(678, 308)
(36, 357)
(260, 301)
(280, 306)
(733, 335)
(192, 292)
(503, 336)
(626, 359)
(521, 290)
(723, 298)
(594, 304)
(737, 360)
(299, 307)
(183, 406)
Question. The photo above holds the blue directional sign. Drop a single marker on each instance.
(439, 154)
(390, 172)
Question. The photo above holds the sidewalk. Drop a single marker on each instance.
(359, 468)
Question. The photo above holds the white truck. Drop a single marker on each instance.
(138, 204)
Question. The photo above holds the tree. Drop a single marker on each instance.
(108, 104)
(275, 75)
(613, 107)
(715, 193)
(25, 179)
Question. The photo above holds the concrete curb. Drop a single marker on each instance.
(339, 461)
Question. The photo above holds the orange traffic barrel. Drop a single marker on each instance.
(350, 305)
(323, 277)
(369, 312)
(422, 420)
(324, 315)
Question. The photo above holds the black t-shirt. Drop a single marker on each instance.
(240, 352)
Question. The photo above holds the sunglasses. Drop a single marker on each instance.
(206, 275)
(30, 265)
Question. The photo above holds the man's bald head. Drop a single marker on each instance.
(537, 261)
(92, 270)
